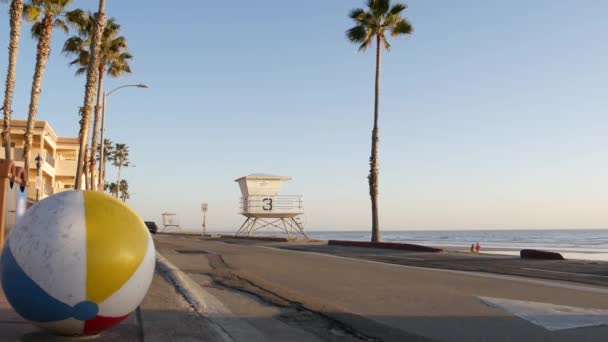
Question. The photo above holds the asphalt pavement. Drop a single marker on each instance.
(366, 299)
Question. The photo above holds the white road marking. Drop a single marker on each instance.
(550, 316)
(561, 272)
(557, 284)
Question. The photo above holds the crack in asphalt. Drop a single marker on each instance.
(292, 312)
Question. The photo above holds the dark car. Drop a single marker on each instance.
(152, 227)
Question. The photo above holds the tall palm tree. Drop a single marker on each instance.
(113, 60)
(123, 188)
(15, 12)
(120, 159)
(89, 90)
(371, 24)
(45, 16)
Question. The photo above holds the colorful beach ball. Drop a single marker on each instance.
(77, 263)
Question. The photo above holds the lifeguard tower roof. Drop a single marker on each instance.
(261, 184)
(263, 176)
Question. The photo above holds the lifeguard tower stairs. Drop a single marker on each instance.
(265, 209)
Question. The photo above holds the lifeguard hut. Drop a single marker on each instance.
(170, 220)
(264, 208)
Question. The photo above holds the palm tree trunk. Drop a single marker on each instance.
(86, 169)
(42, 55)
(92, 78)
(96, 124)
(16, 11)
(118, 179)
(373, 160)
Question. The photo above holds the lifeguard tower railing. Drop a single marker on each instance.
(272, 212)
(272, 205)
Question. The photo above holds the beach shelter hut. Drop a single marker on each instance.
(170, 220)
(265, 209)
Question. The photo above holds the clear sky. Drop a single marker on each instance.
(494, 114)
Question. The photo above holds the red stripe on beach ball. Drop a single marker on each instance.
(101, 323)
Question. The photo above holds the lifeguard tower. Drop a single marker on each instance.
(170, 220)
(264, 208)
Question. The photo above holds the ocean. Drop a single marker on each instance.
(585, 244)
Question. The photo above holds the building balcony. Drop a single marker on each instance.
(48, 158)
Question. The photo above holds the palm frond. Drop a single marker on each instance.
(73, 45)
(387, 45)
(36, 30)
(397, 9)
(31, 13)
(62, 25)
(81, 71)
(402, 27)
(357, 14)
(357, 34)
(56, 7)
(78, 19)
(380, 7)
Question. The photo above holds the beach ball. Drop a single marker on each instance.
(77, 263)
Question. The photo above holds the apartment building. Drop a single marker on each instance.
(59, 155)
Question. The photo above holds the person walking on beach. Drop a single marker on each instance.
(477, 248)
(472, 248)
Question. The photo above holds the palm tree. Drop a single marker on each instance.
(113, 59)
(370, 25)
(15, 12)
(120, 159)
(123, 188)
(112, 188)
(45, 15)
(89, 90)
(108, 152)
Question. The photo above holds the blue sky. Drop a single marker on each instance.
(493, 114)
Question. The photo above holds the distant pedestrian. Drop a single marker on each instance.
(472, 248)
(477, 248)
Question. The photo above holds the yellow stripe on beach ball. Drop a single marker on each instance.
(117, 241)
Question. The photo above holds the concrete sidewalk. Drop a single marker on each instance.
(165, 316)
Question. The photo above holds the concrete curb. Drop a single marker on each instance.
(228, 326)
(191, 291)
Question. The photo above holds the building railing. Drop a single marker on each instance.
(272, 204)
(49, 159)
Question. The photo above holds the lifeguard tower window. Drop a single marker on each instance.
(265, 209)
